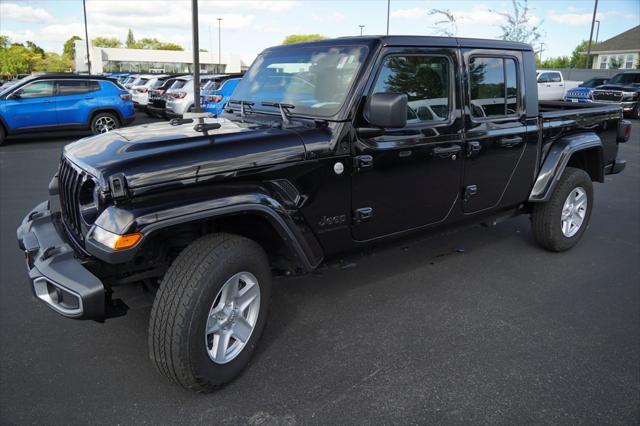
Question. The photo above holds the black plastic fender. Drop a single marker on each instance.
(557, 159)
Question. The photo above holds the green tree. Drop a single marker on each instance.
(301, 38)
(155, 44)
(69, 48)
(106, 42)
(4, 41)
(54, 62)
(519, 26)
(37, 50)
(559, 62)
(130, 42)
(578, 56)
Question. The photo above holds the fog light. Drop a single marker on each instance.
(115, 241)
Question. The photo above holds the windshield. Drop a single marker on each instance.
(315, 80)
(628, 78)
(10, 84)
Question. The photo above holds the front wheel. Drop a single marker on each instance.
(559, 223)
(104, 122)
(210, 311)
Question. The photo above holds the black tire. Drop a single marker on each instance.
(3, 135)
(636, 112)
(101, 117)
(546, 219)
(181, 308)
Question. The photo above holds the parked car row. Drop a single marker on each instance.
(622, 88)
(170, 96)
(63, 101)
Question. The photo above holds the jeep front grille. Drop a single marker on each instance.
(70, 181)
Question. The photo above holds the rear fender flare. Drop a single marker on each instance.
(557, 159)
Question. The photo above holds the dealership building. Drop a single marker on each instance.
(153, 61)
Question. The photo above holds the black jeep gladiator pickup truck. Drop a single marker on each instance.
(325, 147)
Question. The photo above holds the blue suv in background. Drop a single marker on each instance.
(214, 101)
(63, 102)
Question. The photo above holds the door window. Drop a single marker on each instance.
(75, 87)
(555, 77)
(494, 87)
(39, 89)
(425, 80)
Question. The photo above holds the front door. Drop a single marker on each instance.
(410, 177)
(495, 135)
(33, 105)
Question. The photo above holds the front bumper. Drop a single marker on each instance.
(58, 277)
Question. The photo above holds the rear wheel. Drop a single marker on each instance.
(210, 311)
(559, 223)
(3, 135)
(104, 122)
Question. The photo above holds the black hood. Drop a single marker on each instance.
(161, 152)
(621, 87)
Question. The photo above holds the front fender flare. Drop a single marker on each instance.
(557, 159)
(302, 244)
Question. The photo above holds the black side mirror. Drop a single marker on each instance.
(387, 110)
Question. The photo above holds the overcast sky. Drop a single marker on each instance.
(250, 26)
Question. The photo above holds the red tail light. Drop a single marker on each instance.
(125, 96)
(179, 95)
(143, 89)
(214, 98)
(159, 92)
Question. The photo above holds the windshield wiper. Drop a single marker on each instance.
(242, 105)
(284, 111)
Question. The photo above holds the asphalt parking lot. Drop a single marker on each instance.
(472, 325)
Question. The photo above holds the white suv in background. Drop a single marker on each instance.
(180, 100)
(140, 93)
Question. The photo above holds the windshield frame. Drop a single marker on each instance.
(341, 113)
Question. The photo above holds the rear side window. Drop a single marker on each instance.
(39, 89)
(75, 87)
(494, 87)
(425, 80)
(179, 84)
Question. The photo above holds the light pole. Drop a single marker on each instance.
(597, 32)
(540, 54)
(219, 44)
(86, 35)
(388, 9)
(593, 21)
(196, 56)
(361, 27)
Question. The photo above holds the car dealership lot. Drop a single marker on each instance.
(469, 325)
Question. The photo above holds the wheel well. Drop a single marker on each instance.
(110, 110)
(589, 160)
(169, 242)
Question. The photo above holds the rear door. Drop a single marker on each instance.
(75, 99)
(496, 126)
(32, 106)
(410, 177)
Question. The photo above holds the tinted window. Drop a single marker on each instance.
(425, 79)
(39, 89)
(494, 87)
(555, 77)
(72, 87)
(94, 85)
(178, 84)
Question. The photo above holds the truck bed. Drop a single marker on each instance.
(559, 119)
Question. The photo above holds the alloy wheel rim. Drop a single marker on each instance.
(232, 317)
(105, 124)
(574, 212)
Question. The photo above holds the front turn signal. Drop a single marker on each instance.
(116, 241)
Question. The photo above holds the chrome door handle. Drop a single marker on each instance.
(446, 150)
